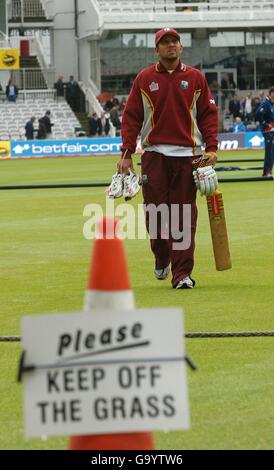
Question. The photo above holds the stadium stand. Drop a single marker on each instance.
(172, 5)
(15, 115)
(104, 58)
(28, 22)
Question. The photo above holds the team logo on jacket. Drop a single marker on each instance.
(184, 84)
(154, 86)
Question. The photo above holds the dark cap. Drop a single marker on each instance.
(163, 32)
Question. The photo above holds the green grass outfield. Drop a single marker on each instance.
(44, 264)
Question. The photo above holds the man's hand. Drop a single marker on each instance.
(211, 158)
(125, 164)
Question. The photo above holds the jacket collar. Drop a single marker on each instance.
(160, 68)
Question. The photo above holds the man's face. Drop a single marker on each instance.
(169, 48)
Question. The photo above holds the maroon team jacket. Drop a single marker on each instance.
(172, 109)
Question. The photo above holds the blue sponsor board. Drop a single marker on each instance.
(241, 140)
(254, 140)
(65, 148)
(231, 141)
(111, 146)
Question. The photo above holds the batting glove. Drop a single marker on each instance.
(206, 180)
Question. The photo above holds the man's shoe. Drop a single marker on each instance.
(267, 173)
(162, 274)
(116, 186)
(186, 283)
(131, 185)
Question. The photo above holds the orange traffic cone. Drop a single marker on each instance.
(109, 287)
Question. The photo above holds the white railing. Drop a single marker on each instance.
(39, 51)
(25, 9)
(34, 78)
(4, 41)
(92, 102)
(136, 14)
(25, 95)
(172, 5)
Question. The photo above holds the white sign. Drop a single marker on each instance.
(107, 372)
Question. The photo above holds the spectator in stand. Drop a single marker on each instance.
(41, 134)
(123, 104)
(29, 128)
(103, 124)
(115, 117)
(48, 124)
(258, 100)
(247, 106)
(214, 88)
(235, 107)
(228, 87)
(11, 91)
(261, 95)
(238, 126)
(72, 94)
(93, 125)
(132, 41)
(110, 103)
(60, 87)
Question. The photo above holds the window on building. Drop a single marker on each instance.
(253, 38)
(134, 40)
(185, 38)
(113, 40)
(269, 37)
(227, 39)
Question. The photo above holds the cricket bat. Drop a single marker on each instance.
(218, 229)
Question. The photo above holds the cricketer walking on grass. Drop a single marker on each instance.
(171, 105)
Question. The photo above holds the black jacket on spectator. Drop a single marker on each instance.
(73, 94)
(93, 125)
(59, 87)
(42, 133)
(8, 91)
(235, 108)
(29, 128)
(48, 125)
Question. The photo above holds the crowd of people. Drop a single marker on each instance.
(241, 109)
(245, 108)
(113, 110)
(43, 131)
